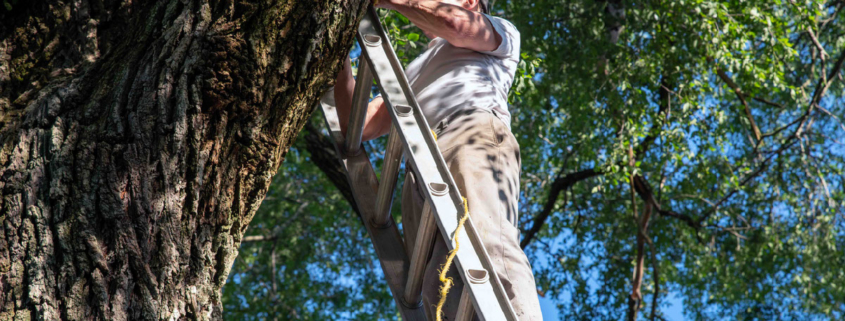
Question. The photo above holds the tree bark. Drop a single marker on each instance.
(137, 140)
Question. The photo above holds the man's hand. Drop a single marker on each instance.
(459, 26)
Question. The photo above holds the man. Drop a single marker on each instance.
(461, 83)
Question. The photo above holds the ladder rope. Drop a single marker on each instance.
(446, 281)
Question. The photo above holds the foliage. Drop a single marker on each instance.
(730, 111)
(770, 210)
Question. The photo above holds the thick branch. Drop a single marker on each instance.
(636, 294)
(324, 156)
(560, 184)
(645, 192)
(655, 272)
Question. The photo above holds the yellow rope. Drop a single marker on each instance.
(447, 282)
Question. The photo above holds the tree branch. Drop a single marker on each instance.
(636, 293)
(655, 272)
(259, 238)
(559, 185)
(279, 228)
(768, 102)
(821, 89)
(324, 156)
(818, 93)
(645, 192)
(823, 54)
(665, 109)
(739, 94)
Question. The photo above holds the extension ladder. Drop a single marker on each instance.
(483, 292)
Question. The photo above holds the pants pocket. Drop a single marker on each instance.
(498, 127)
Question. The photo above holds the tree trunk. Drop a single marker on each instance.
(137, 139)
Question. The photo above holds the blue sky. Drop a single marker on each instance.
(672, 313)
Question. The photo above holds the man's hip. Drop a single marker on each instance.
(483, 158)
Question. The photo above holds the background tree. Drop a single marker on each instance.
(692, 148)
(138, 138)
(714, 132)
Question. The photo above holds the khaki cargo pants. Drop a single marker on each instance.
(483, 157)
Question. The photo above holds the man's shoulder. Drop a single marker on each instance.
(509, 47)
(505, 24)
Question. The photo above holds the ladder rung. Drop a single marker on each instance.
(465, 309)
(389, 174)
(360, 101)
(422, 248)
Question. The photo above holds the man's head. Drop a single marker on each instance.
(484, 6)
(474, 5)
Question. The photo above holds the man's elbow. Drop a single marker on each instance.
(471, 32)
(455, 29)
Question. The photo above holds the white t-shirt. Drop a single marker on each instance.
(446, 78)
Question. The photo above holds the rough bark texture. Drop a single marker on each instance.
(137, 139)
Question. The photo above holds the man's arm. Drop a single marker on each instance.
(459, 26)
(377, 122)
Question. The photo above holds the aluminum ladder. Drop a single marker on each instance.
(483, 293)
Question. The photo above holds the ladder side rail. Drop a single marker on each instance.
(386, 239)
(465, 310)
(424, 243)
(389, 175)
(488, 295)
(360, 102)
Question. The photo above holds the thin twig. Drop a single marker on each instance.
(815, 40)
(739, 94)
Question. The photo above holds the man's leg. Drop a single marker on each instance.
(483, 158)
